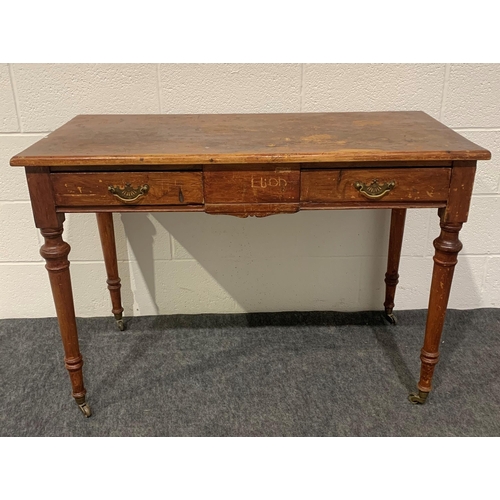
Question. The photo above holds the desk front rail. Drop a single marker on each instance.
(244, 190)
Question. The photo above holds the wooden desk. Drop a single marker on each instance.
(257, 165)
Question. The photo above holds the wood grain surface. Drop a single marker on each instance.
(91, 189)
(266, 184)
(249, 138)
(412, 184)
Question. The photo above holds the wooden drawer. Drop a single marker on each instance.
(244, 184)
(128, 188)
(376, 184)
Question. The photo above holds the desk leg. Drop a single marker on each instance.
(391, 276)
(55, 252)
(107, 235)
(447, 246)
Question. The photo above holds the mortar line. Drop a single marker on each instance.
(460, 255)
(485, 195)
(358, 284)
(365, 257)
(476, 129)
(14, 93)
(76, 261)
(483, 280)
(23, 134)
(171, 243)
(301, 102)
(183, 259)
(13, 202)
(158, 85)
(40, 262)
(445, 90)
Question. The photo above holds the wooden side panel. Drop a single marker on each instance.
(411, 184)
(42, 198)
(92, 189)
(462, 182)
(266, 184)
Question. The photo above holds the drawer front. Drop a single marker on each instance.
(128, 188)
(374, 185)
(252, 184)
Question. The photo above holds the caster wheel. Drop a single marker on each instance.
(85, 408)
(121, 324)
(418, 399)
(391, 318)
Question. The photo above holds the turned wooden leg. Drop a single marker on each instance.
(107, 235)
(391, 276)
(447, 246)
(55, 252)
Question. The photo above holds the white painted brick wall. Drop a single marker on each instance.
(193, 263)
(8, 116)
(373, 87)
(230, 88)
(48, 95)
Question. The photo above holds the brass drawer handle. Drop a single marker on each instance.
(374, 191)
(128, 194)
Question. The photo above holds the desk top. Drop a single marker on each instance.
(249, 138)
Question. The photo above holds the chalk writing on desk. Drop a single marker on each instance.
(263, 182)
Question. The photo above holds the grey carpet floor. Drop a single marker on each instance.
(285, 374)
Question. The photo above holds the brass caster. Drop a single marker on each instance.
(87, 412)
(119, 321)
(418, 399)
(391, 318)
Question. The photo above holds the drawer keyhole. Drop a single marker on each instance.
(181, 196)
